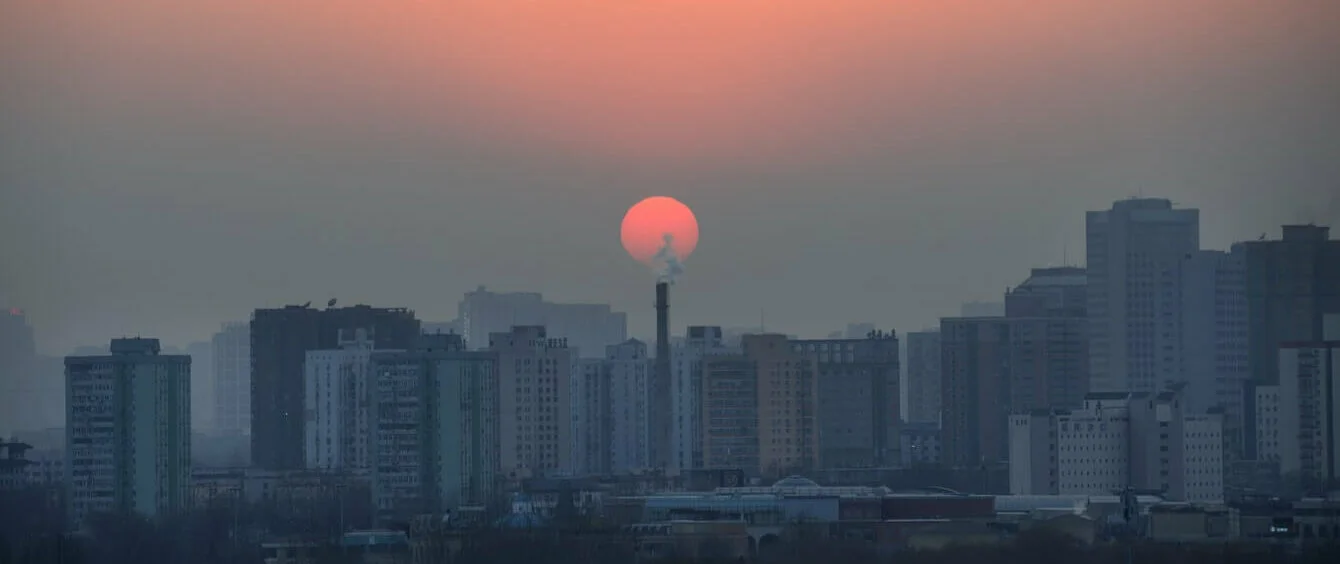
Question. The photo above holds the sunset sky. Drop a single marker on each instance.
(166, 166)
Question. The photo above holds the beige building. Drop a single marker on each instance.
(760, 409)
(535, 418)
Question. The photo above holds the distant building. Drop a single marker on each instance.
(629, 405)
(1292, 283)
(1048, 352)
(435, 423)
(591, 425)
(19, 386)
(1118, 440)
(760, 408)
(128, 431)
(923, 377)
(1296, 421)
(858, 403)
(232, 379)
(686, 379)
(1134, 306)
(280, 340)
(339, 416)
(975, 395)
(1214, 341)
(589, 328)
(534, 379)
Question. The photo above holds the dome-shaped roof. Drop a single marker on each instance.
(795, 482)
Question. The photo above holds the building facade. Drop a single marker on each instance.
(591, 425)
(435, 424)
(18, 381)
(760, 409)
(858, 400)
(923, 377)
(686, 375)
(1297, 424)
(1133, 251)
(280, 340)
(1049, 353)
(534, 379)
(975, 390)
(336, 398)
(629, 404)
(232, 379)
(128, 431)
(1117, 441)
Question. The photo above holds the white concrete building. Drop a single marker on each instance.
(1296, 420)
(1134, 294)
(588, 328)
(336, 385)
(1116, 441)
(128, 431)
(534, 379)
(435, 426)
(232, 379)
(686, 376)
(629, 406)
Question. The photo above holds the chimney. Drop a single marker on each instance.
(660, 418)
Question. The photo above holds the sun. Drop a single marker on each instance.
(648, 222)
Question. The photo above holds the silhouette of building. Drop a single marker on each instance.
(1048, 353)
(232, 379)
(974, 389)
(1133, 254)
(923, 377)
(534, 379)
(128, 431)
(280, 340)
(589, 328)
(20, 388)
(858, 407)
(760, 408)
(434, 442)
(686, 378)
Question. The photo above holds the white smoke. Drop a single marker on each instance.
(665, 261)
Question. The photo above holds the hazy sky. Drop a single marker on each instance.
(166, 166)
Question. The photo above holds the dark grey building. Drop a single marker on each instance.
(21, 397)
(975, 390)
(858, 400)
(1291, 284)
(1049, 353)
(280, 339)
(923, 377)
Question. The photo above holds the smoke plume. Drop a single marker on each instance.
(665, 261)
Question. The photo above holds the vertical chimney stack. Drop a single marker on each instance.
(660, 389)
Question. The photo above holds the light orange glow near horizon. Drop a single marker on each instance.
(649, 221)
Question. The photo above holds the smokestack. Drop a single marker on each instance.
(660, 403)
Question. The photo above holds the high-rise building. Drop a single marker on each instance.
(1048, 352)
(974, 390)
(1118, 440)
(128, 431)
(1133, 252)
(1296, 419)
(590, 409)
(336, 396)
(20, 390)
(589, 328)
(280, 340)
(686, 378)
(858, 408)
(435, 424)
(923, 377)
(534, 380)
(629, 379)
(1214, 340)
(1292, 284)
(760, 409)
(232, 379)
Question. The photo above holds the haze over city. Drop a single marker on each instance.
(167, 166)
(669, 281)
